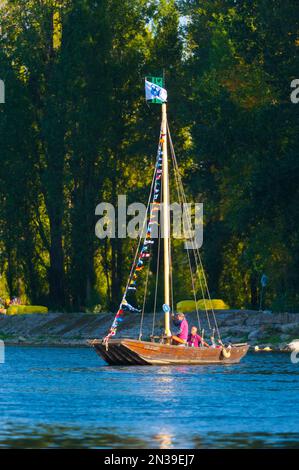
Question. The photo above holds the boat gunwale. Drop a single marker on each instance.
(131, 340)
(129, 356)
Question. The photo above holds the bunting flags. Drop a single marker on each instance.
(129, 307)
(144, 254)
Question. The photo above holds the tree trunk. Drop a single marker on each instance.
(56, 270)
(253, 291)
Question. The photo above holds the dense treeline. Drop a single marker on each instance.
(75, 131)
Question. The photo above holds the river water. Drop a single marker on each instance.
(68, 397)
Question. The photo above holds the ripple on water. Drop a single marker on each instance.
(67, 397)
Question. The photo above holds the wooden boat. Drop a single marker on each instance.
(138, 353)
(161, 351)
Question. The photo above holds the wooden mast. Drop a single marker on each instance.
(165, 220)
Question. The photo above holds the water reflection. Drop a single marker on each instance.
(164, 440)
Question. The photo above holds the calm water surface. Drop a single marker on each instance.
(68, 397)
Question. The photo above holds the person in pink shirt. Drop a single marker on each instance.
(194, 340)
(180, 321)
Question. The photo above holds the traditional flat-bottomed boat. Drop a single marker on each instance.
(134, 352)
(155, 232)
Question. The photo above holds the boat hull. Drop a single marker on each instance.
(134, 352)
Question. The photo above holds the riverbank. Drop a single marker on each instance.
(66, 329)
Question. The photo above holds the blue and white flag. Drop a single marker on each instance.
(153, 91)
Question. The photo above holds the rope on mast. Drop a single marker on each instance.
(183, 196)
(144, 301)
(188, 254)
(196, 252)
(157, 279)
(195, 248)
(133, 270)
(171, 274)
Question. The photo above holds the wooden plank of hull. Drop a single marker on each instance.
(134, 352)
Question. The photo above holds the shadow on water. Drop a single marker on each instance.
(67, 437)
(247, 440)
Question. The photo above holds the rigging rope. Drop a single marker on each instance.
(188, 254)
(196, 252)
(192, 244)
(197, 257)
(170, 272)
(131, 282)
(144, 301)
(195, 248)
(157, 279)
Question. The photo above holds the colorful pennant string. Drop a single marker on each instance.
(144, 254)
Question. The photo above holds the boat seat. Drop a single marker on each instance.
(178, 340)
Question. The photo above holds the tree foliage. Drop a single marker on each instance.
(75, 130)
